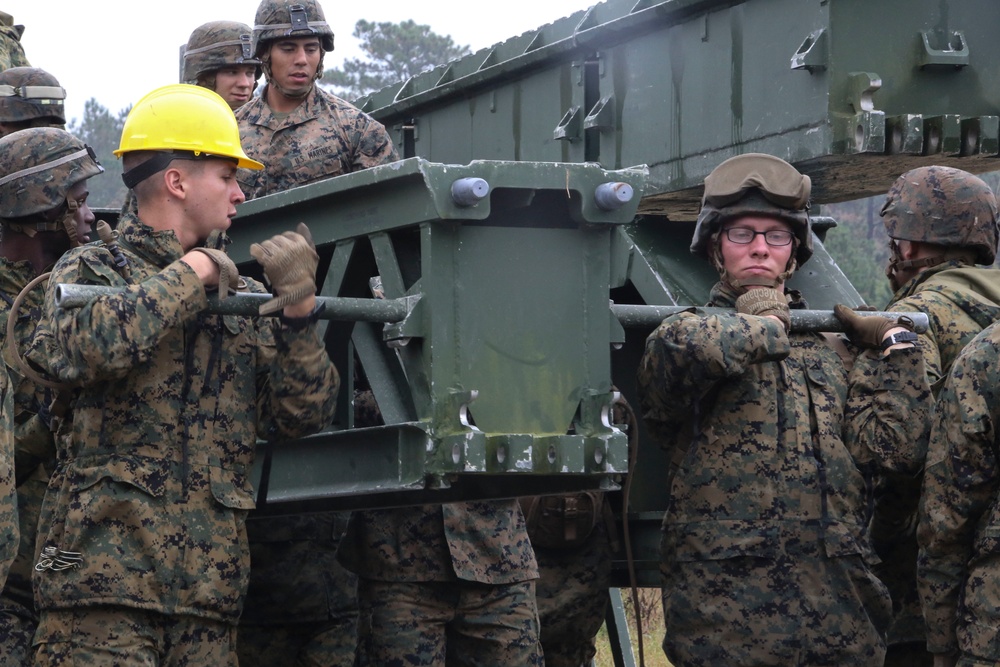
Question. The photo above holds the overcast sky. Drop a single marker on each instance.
(118, 50)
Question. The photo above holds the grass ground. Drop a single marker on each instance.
(652, 629)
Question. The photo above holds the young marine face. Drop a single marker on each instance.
(294, 62)
(55, 243)
(235, 84)
(214, 196)
(84, 217)
(758, 259)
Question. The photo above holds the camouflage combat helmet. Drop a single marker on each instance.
(216, 45)
(289, 18)
(754, 184)
(943, 206)
(38, 167)
(29, 93)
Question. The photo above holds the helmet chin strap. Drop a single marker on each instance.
(66, 223)
(69, 222)
(897, 264)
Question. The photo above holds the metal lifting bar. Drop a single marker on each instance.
(396, 310)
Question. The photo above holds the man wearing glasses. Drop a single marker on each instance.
(765, 558)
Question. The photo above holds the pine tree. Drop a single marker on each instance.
(393, 52)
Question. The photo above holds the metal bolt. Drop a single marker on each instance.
(469, 191)
(612, 196)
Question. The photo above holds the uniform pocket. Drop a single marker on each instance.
(231, 489)
(718, 540)
(148, 476)
(110, 514)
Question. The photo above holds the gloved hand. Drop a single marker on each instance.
(229, 276)
(764, 301)
(866, 331)
(289, 260)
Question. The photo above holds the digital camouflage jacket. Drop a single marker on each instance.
(773, 442)
(11, 51)
(959, 300)
(147, 505)
(323, 137)
(9, 532)
(959, 528)
(485, 542)
(34, 446)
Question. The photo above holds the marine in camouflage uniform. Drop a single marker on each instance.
(9, 534)
(300, 132)
(941, 223)
(143, 555)
(302, 605)
(958, 571)
(11, 51)
(574, 574)
(574, 537)
(37, 228)
(30, 97)
(322, 138)
(447, 584)
(765, 558)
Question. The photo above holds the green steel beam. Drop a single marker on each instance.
(618, 631)
(853, 92)
(389, 466)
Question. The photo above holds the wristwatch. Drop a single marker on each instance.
(901, 337)
(300, 323)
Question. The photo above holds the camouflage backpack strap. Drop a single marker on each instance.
(12, 354)
(836, 343)
(60, 393)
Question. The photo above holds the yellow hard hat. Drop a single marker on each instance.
(184, 118)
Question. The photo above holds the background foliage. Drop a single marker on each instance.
(102, 130)
(394, 52)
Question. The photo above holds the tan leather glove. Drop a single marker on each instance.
(229, 276)
(764, 301)
(866, 331)
(289, 260)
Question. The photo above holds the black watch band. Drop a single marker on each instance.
(896, 338)
(300, 323)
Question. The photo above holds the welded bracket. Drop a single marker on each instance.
(812, 54)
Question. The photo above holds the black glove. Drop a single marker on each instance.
(764, 301)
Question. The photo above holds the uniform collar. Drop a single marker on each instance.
(159, 247)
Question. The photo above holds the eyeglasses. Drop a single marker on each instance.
(745, 235)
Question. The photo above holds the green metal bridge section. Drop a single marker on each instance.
(852, 92)
(488, 349)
